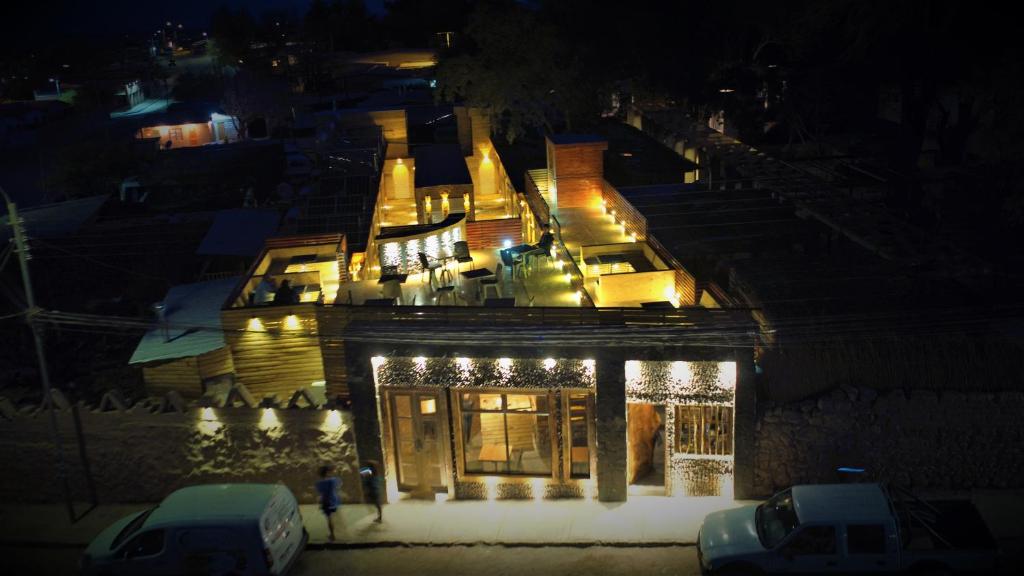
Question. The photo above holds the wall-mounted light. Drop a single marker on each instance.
(291, 321)
(549, 363)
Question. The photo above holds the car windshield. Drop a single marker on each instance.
(776, 518)
(131, 528)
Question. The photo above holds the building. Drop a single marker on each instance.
(182, 125)
(481, 361)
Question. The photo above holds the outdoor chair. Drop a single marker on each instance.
(392, 289)
(446, 293)
(492, 282)
(428, 266)
(462, 254)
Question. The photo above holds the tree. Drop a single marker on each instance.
(232, 32)
(248, 96)
(520, 69)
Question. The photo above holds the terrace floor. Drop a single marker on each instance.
(588, 226)
(543, 286)
(402, 211)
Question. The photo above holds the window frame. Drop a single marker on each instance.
(730, 421)
(460, 444)
(591, 407)
(803, 532)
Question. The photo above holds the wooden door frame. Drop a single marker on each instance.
(389, 439)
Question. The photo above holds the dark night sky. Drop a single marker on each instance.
(36, 22)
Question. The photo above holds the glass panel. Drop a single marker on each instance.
(704, 430)
(527, 402)
(579, 454)
(484, 443)
(529, 443)
(428, 428)
(403, 408)
(428, 405)
(405, 429)
(474, 401)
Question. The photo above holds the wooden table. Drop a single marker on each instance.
(389, 277)
(493, 453)
(477, 275)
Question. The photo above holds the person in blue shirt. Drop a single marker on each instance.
(328, 487)
(371, 486)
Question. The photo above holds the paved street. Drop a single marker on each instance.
(446, 560)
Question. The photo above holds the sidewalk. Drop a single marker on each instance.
(644, 520)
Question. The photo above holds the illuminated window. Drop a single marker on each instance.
(704, 430)
(579, 435)
(506, 433)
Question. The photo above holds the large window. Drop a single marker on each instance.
(579, 435)
(704, 430)
(506, 433)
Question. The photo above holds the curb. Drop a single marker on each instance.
(323, 545)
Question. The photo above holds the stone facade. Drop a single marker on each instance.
(139, 456)
(920, 439)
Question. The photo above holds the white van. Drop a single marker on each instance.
(208, 529)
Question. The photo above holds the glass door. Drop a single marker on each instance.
(417, 424)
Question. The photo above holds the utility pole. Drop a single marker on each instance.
(21, 247)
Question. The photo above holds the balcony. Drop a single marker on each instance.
(544, 282)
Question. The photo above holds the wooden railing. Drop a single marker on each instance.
(695, 317)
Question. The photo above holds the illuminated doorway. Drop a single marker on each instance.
(419, 435)
(646, 451)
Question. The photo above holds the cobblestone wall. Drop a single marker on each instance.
(917, 439)
(138, 456)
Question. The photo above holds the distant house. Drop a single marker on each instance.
(187, 125)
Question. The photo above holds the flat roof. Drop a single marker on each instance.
(576, 138)
(438, 164)
(239, 232)
(57, 219)
(192, 313)
(210, 501)
(828, 503)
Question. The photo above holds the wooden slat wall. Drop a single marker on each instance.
(484, 234)
(332, 323)
(181, 375)
(278, 360)
(624, 211)
(216, 363)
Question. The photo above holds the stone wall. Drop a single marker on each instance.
(140, 456)
(920, 439)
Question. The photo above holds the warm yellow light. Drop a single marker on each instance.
(465, 203)
(505, 363)
(589, 364)
(268, 420)
(579, 296)
(332, 421)
(255, 325)
(491, 487)
(632, 370)
(633, 235)
(420, 361)
(399, 162)
(464, 364)
(291, 322)
(537, 488)
(568, 277)
(207, 415)
(549, 363)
